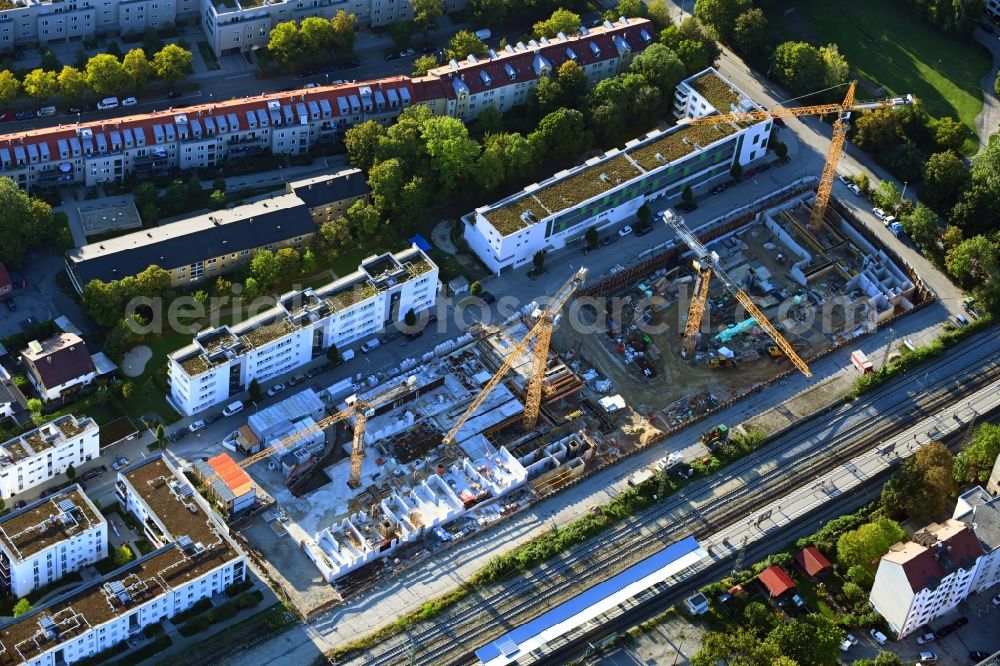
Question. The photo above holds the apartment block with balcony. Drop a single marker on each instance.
(980, 511)
(49, 538)
(221, 362)
(609, 189)
(194, 559)
(41, 454)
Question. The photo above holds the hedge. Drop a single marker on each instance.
(221, 613)
(199, 607)
(161, 643)
(250, 599)
(235, 589)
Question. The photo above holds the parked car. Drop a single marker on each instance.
(20, 504)
(24, 115)
(642, 231)
(944, 632)
(46, 111)
(108, 103)
(196, 426)
(848, 642)
(130, 101)
(296, 379)
(928, 657)
(311, 85)
(275, 390)
(214, 417)
(763, 167)
(91, 474)
(625, 231)
(233, 408)
(120, 463)
(854, 188)
(798, 601)
(312, 372)
(879, 213)
(925, 638)
(844, 179)
(686, 207)
(173, 94)
(608, 240)
(996, 600)
(749, 173)
(408, 53)
(390, 336)
(6, 117)
(489, 298)
(878, 636)
(718, 189)
(411, 336)
(72, 110)
(370, 345)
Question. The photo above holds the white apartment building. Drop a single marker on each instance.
(43, 453)
(293, 122)
(923, 579)
(608, 189)
(195, 559)
(504, 78)
(222, 362)
(47, 539)
(981, 513)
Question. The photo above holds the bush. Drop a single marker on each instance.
(194, 626)
(236, 588)
(199, 607)
(152, 630)
(250, 599)
(221, 613)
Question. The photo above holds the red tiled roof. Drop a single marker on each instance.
(776, 581)
(929, 567)
(235, 478)
(812, 561)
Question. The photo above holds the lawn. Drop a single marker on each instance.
(887, 44)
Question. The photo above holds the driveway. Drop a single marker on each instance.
(42, 299)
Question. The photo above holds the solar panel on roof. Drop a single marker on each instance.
(116, 586)
(66, 505)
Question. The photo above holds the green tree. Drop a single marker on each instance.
(335, 233)
(592, 237)
(41, 84)
(289, 262)
(573, 82)
(426, 13)
(34, 405)
(630, 9)
(488, 12)
(945, 178)
(659, 13)
(742, 647)
(72, 82)
(138, 67)
(422, 65)
(808, 641)
(285, 43)
(22, 607)
(362, 143)
(858, 574)
(883, 659)
(175, 197)
(25, 222)
(798, 66)
(172, 64)
(251, 289)
(905, 161)
(692, 43)
(949, 134)
(385, 179)
(836, 69)
(50, 61)
(410, 318)
(660, 66)
(562, 20)
(217, 200)
(751, 35)
(317, 37)
(332, 354)
(924, 485)
(222, 286)
(160, 434)
(254, 390)
(560, 134)
(622, 104)
(365, 221)
(9, 86)
(996, 85)
(265, 268)
(736, 172)
(505, 156)
(974, 261)
(122, 555)
(106, 75)
(128, 390)
(452, 152)
(863, 546)
(71, 472)
(344, 32)
(974, 463)
(759, 617)
(464, 44)
(538, 259)
(923, 226)
(151, 213)
(151, 42)
(476, 288)
(721, 14)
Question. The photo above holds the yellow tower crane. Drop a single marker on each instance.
(360, 409)
(541, 335)
(840, 128)
(704, 258)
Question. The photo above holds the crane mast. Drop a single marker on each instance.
(541, 335)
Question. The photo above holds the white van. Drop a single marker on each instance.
(877, 636)
(484, 34)
(108, 103)
(347, 355)
(370, 345)
(233, 408)
(47, 111)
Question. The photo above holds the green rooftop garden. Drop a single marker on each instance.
(673, 145)
(507, 219)
(718, 93)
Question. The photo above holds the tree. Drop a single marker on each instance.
(194, 190)
(151, 42)
(106, 76)
(175, 196)
(751, 35)
(217, 200)
(573, 82)
(863, 546)
(505, 155)
(538, 259)
(9, 86)
(289, 262)
(560, 134)
(344, 32)
(974, 463)
(50, 61)
(332, 354)
(172, 64)
(72, 82)
(25, 222)
(122, 555)
(924, 485)
(410, 318)
(742, 647)
(836, 68)
(759, 617)
(658, 12)
(945, 178)
(127, 390)
(660, 66)
(385, 179)
(22, 607)
(692, 43)
(798, 66)
(562, 20)
(160, 434)
(40, 84)
(251, 289)
(592, 237)
(621, 104)
(254, 390)
(317, 37)
(886, 195)
(644, 215)
(222, 286)
(452, 152)
(34, 405)
(334, 233)
(265, 267)
(476, 288)
(905, 161)
(426, 13)
(488, 12)
(365, 221)
(811, 640)
(421, 66)
(362, 143)
(630, 9)
(138, 67)
(687, 195)
(151, 213)
(71, 472)
(949, 134)
(464, 44)
(923, 226)
(857, 574)
(974, 262)
(736, 172)
(721, 14)
(285, 43)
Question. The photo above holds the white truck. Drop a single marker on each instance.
(861, 362)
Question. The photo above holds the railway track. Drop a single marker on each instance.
(709, 510)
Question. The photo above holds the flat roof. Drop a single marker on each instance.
(48, 521)
(590, 603)
(49, 435)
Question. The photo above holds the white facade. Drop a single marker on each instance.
(41, 454)
(54, 392)
(45, 540)
(981, 512)
(610, 189)
(921, 580)
(222, 362)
